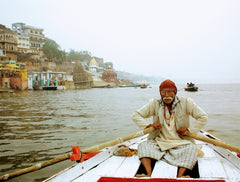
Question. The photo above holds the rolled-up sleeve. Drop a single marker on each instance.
(200, 116)
(146, 111)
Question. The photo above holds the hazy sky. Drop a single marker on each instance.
(184, 40)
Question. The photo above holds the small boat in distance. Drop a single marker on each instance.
(191, 87)
(144, 85)
(49, 87)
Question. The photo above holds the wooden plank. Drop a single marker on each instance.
(210, 164)
(106, 168)
(232, 172)
(110, 166)
(129, 167)
(88, 177)
(164, 170)
(228, 155)
(81, 168)
(211, 167)
(208, 152)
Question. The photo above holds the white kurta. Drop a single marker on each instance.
(169, 137)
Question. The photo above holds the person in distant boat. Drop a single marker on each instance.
(171, 120)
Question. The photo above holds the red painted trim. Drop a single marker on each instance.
(111, 179)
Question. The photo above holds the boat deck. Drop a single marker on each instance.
(216, 164)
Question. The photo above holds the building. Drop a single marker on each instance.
(93, 65)
(12, 75)
(22, 37)
(8, 44)
(30, 39)
(81, 78)
(110, 76)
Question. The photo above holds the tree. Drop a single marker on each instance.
(52, 51)
(82, 55)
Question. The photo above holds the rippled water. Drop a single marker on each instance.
(40, 125)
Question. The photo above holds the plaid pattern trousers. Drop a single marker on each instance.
(181, 156)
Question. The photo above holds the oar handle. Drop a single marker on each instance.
(213, 141)
(66, 156)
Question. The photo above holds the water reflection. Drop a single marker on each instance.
(23, 160)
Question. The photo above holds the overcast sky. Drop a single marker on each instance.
(184, 40)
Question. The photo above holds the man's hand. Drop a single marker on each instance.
(182, 131)
(156, 125)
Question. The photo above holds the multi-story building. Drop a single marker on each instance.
(22, 37)
(30, 39)
(8, 44)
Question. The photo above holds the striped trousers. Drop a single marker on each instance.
(181, 156)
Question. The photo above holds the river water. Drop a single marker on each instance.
(40, 125)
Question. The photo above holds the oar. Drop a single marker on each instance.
(66, 156)
(213, 141)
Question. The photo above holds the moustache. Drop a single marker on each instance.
(167, 98)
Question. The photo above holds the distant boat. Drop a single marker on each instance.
(49, 88)
(6, 90)
(191, 87)
(143, 85)
(129, 86)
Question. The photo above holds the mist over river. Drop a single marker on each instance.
(40, 125)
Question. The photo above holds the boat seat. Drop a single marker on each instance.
(164, 170)
(211, 164)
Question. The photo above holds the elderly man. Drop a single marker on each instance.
(171, 120)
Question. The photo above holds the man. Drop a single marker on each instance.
(170, 120)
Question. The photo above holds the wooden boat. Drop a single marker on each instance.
(217, 164)
(123, 86)
(143, 85)
(49, 87)
(6, 90)
(191, 87)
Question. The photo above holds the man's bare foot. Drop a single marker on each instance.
(187, 176)
(142, 175)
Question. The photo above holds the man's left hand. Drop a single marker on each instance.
(182, 131)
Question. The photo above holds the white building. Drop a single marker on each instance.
(93, 65)
(30, 39)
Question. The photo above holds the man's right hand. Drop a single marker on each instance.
(156, 125)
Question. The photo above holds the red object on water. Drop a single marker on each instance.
(238, 154)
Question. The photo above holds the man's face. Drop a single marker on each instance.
(167, 95)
